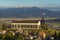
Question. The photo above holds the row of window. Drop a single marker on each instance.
(24, 26)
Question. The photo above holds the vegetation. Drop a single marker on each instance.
(44, 27)
(0, 27)
(9, 36)
(4, 26)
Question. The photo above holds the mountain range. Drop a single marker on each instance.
(25, 12)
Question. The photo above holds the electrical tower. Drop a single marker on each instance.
(43, 21)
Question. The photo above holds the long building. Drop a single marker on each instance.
(25, 24)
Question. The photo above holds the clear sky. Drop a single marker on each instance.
(29, 3)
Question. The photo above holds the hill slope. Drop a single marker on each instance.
(27, 12)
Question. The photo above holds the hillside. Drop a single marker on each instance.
(27, 12)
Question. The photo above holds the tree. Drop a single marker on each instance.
(18, 36)
(9, 36)
(4, 26)
(0, 27)
(58, 37)
(44, 26)
(1, 37)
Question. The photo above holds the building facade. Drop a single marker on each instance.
(26, 24)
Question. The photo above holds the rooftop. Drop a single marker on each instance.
(25, 21)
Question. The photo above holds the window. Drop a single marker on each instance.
(18, 26)
(28, 26)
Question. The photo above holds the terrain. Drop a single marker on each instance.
(26, 12)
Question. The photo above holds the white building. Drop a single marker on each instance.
(25, 24)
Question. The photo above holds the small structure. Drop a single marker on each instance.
(42, 34)
(2, 31)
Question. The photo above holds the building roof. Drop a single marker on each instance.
(25, 21)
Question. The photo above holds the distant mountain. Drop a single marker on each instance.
(27, 12)
(53, 8)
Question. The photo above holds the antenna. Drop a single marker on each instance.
(43, 16)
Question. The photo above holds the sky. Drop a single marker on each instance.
(29, 3)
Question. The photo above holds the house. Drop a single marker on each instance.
(2, 31)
